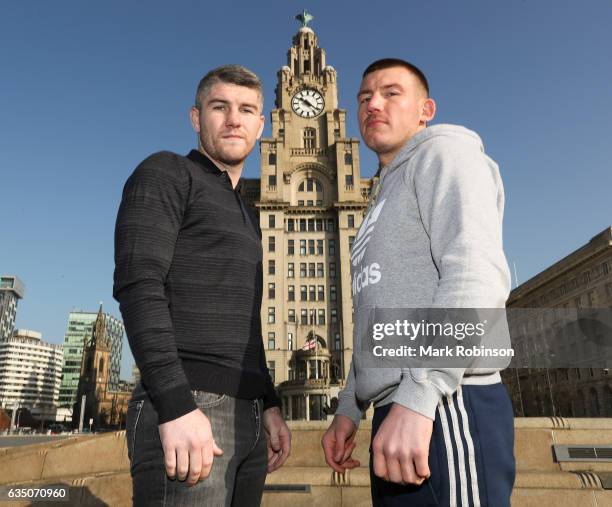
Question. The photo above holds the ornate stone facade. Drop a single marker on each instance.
(311, 202)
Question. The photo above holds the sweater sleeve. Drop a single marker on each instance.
(348, 404)
(270, 398)
(148, 222)
(460, 199)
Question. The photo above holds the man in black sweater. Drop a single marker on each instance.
(188, 277)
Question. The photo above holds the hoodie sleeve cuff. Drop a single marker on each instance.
(348, 406)
(174, 403)
(420, 396)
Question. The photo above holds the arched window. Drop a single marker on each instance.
(101, 366)
(310, 185)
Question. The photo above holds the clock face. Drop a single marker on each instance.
(308, 103)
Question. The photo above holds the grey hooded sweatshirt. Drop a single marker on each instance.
(432, 238)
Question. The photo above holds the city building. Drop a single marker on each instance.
(30, 374)
(105, 402)
(11, 291)
(581, 280)
(311, 201)
(80, 328)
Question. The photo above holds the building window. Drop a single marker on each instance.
(309, 139)
(332, 293)
(332, 247)
(319, 224)
(271, 315)
(291, 315)
(290, 337)
(321, 313)
(272, 159)
(348, 158)
(311, 270)
(313, 293)
(290, 247)
(337, 341)
(330, 225)
(271, 244)
(320, 270)
(291, 293)
(272, 370)
(313, 317)
(303, 272)
(303, 293)
(300, 203)
(309, 202)
(311, 246)
(271, 267)
(351, 221)
(334, 316)
(321, 293)
(311, 223)
(290, 225)
(271, 291)
(271, 221)
(348, 180)
(290, 270)
(302, 225)
(272, 180)
(271, 340)
(332, 270)
(304, 317)
(302, 247)
(606, 268)
(319, 247)
(351, 242)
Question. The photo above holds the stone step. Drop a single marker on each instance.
(86, 455)
(532, 490)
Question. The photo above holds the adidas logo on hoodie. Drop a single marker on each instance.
(368, 275)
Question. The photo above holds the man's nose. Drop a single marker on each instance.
(233, 117)
(375, 102)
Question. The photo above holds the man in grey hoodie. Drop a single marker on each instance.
(432, 238)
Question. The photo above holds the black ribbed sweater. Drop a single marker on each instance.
(188, 279)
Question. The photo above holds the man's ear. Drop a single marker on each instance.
(261, 127)
(429, 110)
(194, 116)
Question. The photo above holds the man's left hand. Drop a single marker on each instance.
(401, 446)
(278, 437)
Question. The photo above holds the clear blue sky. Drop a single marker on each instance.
(88, 89)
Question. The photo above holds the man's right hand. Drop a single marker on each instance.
(189, 447)
(338, 444)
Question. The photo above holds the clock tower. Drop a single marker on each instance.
(312, 201)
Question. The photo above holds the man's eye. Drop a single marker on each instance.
(248, 111)
(364, 99)
(219, 107)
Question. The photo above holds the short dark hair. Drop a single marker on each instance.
(232, 74)
(385, 63)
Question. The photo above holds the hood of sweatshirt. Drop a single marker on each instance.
(441, 130)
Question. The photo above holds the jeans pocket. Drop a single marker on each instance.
(205, 399)
(133, 416)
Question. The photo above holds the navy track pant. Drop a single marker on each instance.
(471, 456)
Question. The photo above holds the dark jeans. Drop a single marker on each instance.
(236, 478)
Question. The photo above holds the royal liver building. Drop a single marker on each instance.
(312, 199)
